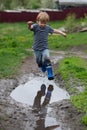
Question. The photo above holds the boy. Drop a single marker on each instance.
(40, 46)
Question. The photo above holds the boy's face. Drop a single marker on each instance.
(42, 24)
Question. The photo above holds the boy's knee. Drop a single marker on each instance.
(47, 61)
(39, 60)
(39, 64)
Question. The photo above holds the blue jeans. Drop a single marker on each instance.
(41, 56)
(43, 61)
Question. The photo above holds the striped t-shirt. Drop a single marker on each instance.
(41, 36)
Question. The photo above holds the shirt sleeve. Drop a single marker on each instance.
(51, 30)
(34, 27)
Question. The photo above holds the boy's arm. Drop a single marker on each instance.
(30, 26)
(59, 32)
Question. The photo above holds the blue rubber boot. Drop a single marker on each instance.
(50, 72)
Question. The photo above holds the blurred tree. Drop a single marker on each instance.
(5, 4)
(26, 4)
(36, 4)
(48, 4)
(18, 4)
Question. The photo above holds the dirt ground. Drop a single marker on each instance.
(16, 116)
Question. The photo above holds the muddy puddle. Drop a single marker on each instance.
(25, 93)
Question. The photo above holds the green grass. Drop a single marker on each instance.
(80, 101)
(74, 66)
(14, 41)
(74, 72)
(72, 40)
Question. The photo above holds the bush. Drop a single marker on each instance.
(70, 23)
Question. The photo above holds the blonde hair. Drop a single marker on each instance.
(43, 17)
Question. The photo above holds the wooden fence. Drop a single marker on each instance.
(24, 16)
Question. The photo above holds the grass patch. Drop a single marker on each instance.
(80, 101)
(74, 67)
(58, 42)
(74, 73)
(14, 42)
(9, 61)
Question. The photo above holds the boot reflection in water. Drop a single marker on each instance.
(37, 99)
(40, 123)
(48, 95)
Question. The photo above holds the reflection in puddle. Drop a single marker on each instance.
(25, 93)
(46, 122)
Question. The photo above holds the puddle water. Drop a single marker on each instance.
(25, 93)
(51, 122)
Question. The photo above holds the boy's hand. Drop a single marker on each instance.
(30, 22)
(64, 34)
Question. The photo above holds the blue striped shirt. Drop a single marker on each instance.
(41, 36)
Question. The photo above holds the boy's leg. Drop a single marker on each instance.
(45, 55)
(49, 70)
(38, 57)
(47, 62)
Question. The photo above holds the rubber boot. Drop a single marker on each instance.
(50, 72)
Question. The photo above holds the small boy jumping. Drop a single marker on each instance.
(41, 31)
